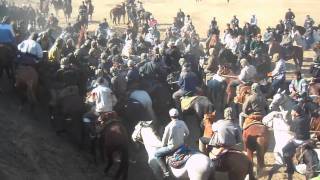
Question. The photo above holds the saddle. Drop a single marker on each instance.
(179, 157)
(104, 120)
(217, 160)
(186, 102)
(251, 120)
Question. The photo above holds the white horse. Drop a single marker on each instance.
(281, 131)
(197, 167)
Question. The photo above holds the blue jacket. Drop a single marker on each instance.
(188, 81)
(6, 34)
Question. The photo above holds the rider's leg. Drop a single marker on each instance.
(160, 156)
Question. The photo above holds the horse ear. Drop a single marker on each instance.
(283, 92)
(279, 91)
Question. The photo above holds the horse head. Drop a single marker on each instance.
(136, 135)
(278, 99)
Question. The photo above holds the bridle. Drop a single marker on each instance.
(138, 137)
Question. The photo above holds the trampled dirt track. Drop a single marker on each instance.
(30, 150)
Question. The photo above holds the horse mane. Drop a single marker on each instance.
(155, 126)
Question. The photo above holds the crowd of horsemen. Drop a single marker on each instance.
(110, 66)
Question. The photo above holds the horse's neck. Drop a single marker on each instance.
(287, 105)
(151, 141)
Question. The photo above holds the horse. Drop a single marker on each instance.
(67, 112)
(201, 105)
(281, 131)
(57, 5)
(67, 9)
(296, 52)
(235, 163)
(256, 138)
(44, 6)
(90, 10)
(7, 55)
(308, 160)
(112, 137)
(145, 133)
(117, 12)
(283, 102)
(161, 98)
(26, 84)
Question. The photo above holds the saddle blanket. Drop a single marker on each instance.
(251, 120)
(180, 157)
(186, 102)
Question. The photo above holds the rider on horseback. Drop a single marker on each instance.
(301, 128)
(133, 77)
(278, 74)
(298, 86)
(287, 42)
(188, 82)
(52, 21)
(7, 35)
(226, 134)
(255, 106)
(257, 47)
(173, 138)
(104, 100)
(31, 49)
(289, 15)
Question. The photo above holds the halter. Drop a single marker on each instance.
(138, 137)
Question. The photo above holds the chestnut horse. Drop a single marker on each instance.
(256, 138)
(296, 52)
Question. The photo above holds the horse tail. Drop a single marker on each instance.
(250, 171)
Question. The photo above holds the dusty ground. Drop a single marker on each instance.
(29, 148)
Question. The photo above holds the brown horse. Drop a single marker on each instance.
(57, 5)
(296, 53)
(315, 126)
(26, 84)
(7, 55)
(117, 12)
(115, 140)
(256, 138)
(235, 163)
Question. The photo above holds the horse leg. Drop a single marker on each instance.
(296, 62)
(93, 149)
(124, 165)
(260, 156)
(101, 148)
(119, 18)
(273, 170)
(110, 161)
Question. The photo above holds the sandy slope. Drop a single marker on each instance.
(31, 151)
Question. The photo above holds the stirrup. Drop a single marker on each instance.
(166, 174)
